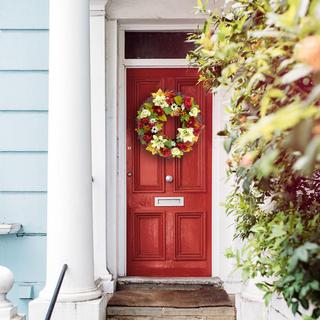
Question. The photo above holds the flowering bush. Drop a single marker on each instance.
(153, 114)
(268, 54)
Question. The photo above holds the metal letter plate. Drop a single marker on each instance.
(169, 201)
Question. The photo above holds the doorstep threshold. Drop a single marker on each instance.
(215, 281)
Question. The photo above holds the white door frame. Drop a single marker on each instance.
(108, 107)
(151, 63)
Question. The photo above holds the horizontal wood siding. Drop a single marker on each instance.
(24, 14)
(23, 50)
(23, 171)
(27, 208)
(24, 90)
(23, 131)
(23, 140)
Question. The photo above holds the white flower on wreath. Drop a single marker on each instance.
(176, 152)
(154, 130)
(153, 120)
(174, 107)
(144, 113)
(158, 142)
(173, 144)
(194, 112)
(160, 100)
(186, 134)
(183, 106)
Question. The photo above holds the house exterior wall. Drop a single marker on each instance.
(23, 141)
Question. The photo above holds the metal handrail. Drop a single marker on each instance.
(56, 292)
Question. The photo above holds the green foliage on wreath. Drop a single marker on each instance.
(267, 53)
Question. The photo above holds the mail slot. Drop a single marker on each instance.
(169, 201)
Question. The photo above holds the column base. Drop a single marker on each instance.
(106, 285)
(93, 309)
(251, 305)
(10, 313)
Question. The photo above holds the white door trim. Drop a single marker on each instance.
(108, 146)
(142, 63)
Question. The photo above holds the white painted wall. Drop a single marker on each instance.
(155, 9)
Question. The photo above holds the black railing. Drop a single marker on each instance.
(56, 292)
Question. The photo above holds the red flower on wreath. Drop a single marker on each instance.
(169, 100)
(143, 122)
(188, 103)
(191, 122)
(147, 137)
(183, 146)
(169, 97)
(158, 110)
(165, 152)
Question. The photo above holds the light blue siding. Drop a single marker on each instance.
(23, 50)
(24, 256)
(24, 14)
(23, 131)
(28, 209)
(23, 171)
(23, 140)
(23, 303)
(23, 90)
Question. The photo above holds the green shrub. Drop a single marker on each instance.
(267, 53)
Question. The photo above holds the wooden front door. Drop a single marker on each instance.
(168, 240)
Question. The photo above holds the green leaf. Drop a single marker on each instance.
(267, 298)
(140, 132)
(227, 144)
(167, 110)
(178, 100)
(163, 118)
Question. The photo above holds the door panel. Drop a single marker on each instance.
(171, 240)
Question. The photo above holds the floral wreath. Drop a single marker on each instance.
(153, 114)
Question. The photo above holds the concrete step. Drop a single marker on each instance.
(168, 283)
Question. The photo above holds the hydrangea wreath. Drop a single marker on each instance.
(154, 113)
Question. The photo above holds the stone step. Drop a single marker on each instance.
(168, 283)
(176, 299)
(157, 313)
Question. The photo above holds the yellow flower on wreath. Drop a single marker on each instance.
(158, 142)
(186, 134)
(176, 152)
(159, 99)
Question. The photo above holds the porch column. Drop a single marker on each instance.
(69, 226)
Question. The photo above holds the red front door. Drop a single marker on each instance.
(168, 240)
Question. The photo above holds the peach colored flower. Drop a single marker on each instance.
(246, 160)
(308, 52)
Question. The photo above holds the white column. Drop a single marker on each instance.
(70, 234)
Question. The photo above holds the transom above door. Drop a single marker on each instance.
(168, 200)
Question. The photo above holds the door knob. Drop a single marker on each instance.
(129, 174)
(169, 178)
